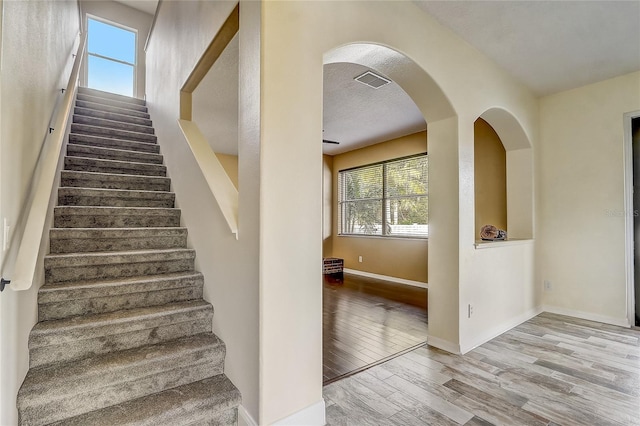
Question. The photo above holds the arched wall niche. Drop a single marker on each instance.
(519, 160)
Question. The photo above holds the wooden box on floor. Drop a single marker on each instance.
(333, 268)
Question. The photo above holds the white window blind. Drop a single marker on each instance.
(388, 199)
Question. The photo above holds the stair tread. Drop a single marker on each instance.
(113, 318)
(83, 103)
(113, 124)
(114, 151)
(50, 380)
(128, 232)
(117, 176)
(76, 139)
(113, 102)
(115, 192)
(108, 131)
(172, 406)
(51, 288)
(110, 95)
(132, 210)
(96, 256)
(115, 116)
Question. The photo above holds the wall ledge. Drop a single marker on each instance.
(493, 244)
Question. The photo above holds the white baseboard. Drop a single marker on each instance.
(494, 332)
(445, 345)
(313, 415)
(386, 278)
(622, 322)
(244, 418)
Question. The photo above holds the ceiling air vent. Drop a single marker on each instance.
(372, 80)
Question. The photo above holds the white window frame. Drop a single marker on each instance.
(384, 199)
(135, 53)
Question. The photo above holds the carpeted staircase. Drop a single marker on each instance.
(124, 336)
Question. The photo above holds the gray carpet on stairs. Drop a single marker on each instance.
(124, 336)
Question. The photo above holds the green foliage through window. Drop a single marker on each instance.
(385, 199)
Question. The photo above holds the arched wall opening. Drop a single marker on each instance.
(442, 133)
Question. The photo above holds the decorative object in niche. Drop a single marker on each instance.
(491, 233)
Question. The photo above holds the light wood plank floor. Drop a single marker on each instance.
(550, 370)
(366, 321)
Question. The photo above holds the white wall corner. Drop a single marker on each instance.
(445, 345)
(621, 322)
(244, 418)
(503, 327)
(313, 415)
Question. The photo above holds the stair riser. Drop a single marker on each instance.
(117, 181)
(112, 154)
(97, 141)
(113, 167)
(106, 341)
(108, 108)
(112, 133)
(111, 102)
(100, 398)
(75, 273)
(62, 220)
(79, 200)
(99, 305)
(117, 243)
(113, 96)
(110, 124)
(105, 115)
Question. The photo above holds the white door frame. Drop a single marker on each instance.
(629, 214)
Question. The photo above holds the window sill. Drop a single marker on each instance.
(381, 237)
(494, 244)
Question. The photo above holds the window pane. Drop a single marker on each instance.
(408, 216)
(113, 42)
(110, 76)
(361, 217)
(407, 177)
(362, 183)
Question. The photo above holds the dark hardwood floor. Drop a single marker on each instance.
(367, 321)
(551, 370)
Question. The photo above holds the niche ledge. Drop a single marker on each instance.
(494, 244)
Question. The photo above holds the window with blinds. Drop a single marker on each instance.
(388, 199)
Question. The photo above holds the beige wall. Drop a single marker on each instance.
(129, 17)
(580, 216)
(296, 37)
(404, 258)
(38, 39)
(230, 165)
(490, 177)
(182, 32)
(327, 206)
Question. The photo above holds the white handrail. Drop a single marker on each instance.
(25, 264)
(220, 184)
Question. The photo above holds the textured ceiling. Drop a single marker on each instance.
(357, 115)
(147, 6)
(550, 46)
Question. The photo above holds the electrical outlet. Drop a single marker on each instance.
(360, 259)
(470, 311)
(547, 285)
